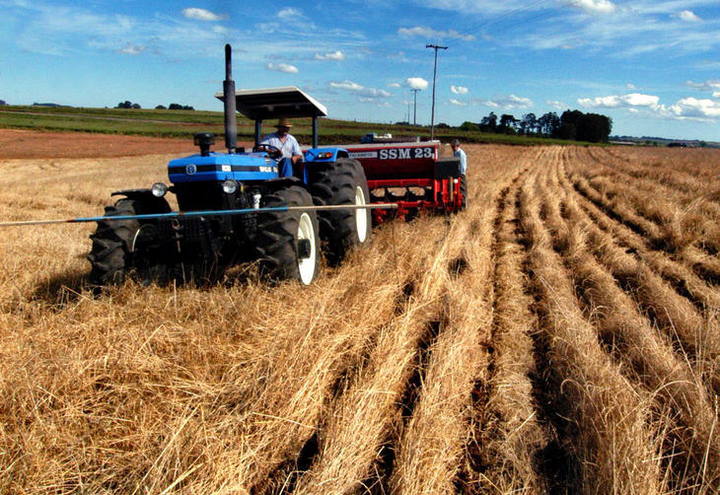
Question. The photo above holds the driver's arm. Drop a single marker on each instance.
(296, 152)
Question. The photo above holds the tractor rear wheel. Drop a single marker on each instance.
(342, 183)
(287, 242)
(113, 254)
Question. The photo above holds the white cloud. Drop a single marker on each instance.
(458, 102)
(201, 14)
(416, 83)
(61, 30)
(336, 55)
(459, 90)
(359, 89)
(695, 108)
(508, 102)
(287, 68)
(268, 27)
(708, 65)
(630, 86)
(131, 49)
(346, 85)
(289, 14)
(688, 16)
(624, 101)
(378, 103)
(625, 30)
(394, 85)
(557, 105)
(684, 109)
(484, 7)
(427, 32)
(711, 85)
(594, 6)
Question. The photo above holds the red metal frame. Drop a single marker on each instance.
(446, 195)
(405, 166)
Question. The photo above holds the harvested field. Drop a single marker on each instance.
(562, 335)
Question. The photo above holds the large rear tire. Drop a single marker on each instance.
(287, 242)
(112, 255)
(463, 192)
(342, 183)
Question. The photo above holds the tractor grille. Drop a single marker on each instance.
(191, 230)
(195, 196)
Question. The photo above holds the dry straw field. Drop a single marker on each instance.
(560, 336)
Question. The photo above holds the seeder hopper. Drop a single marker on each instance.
(413, 176)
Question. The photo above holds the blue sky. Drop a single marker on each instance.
(651, 65)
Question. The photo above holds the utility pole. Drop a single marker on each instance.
(415, 106)
(432, 117)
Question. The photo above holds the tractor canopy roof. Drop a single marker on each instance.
(270, 103)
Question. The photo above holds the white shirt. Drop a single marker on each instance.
(463, 159)
(289, 148)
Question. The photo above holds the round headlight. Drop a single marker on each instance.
(159, 189)
(230, 186)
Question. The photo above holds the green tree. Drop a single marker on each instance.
(469, 126)
(528, 124)
(549, 124)
(489, 123)
(507, 124)
(594, 128)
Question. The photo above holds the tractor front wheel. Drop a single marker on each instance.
(116, 244)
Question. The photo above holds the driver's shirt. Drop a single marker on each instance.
(289, 148)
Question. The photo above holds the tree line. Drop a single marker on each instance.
(572, 125)
(172, 106)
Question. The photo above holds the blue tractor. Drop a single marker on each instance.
(286, 243)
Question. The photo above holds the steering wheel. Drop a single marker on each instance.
(272, 151)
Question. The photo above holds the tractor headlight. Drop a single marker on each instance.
(230, 186)
(159, 189)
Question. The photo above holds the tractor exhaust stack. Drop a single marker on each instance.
(229, 100)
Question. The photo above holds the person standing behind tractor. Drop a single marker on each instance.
(459, 153)
(287, 144)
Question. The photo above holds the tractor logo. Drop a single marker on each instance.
(191, 169)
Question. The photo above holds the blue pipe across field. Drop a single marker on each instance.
(211, 213)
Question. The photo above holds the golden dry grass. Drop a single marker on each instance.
(559, 336)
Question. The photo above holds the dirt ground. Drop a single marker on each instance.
(16, 143)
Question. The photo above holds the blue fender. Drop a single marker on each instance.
(321, 156)
(324, 155)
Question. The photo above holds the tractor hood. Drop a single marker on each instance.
(221, 167)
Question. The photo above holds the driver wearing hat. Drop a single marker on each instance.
(287, 144)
